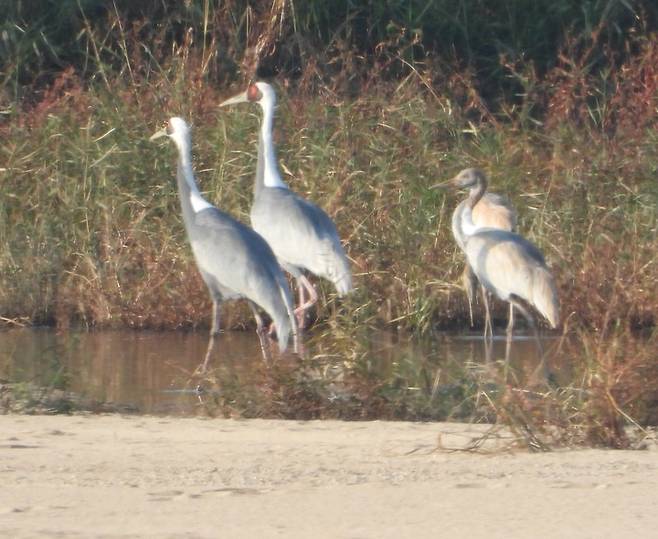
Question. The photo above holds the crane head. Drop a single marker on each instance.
(257, 92)
(468, 178)
(175, 128)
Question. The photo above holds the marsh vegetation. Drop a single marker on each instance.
(557, 102)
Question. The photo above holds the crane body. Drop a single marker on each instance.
(492, 211)
(233, 260)
(505, 263)
(302, 236)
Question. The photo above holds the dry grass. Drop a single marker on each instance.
(90, 225)
(90, 210)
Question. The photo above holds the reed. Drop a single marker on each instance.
(90, 216)
(368, 121)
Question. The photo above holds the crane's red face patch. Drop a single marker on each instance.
(253, 93)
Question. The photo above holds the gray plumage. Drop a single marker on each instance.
(513, 269)
(234, 261)
(302, 236)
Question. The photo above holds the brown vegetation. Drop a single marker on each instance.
(90, 228)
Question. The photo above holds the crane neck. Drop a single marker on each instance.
(260, 167)
(191, 199)
(267, 171)
(457, 225)
(468, 227)
(477, 191)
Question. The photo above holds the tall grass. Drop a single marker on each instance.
(307, 38)
(375, 106)
(89, 211)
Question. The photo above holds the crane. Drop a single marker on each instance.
(302, 236)
(505, 263)
(234, 261)
(492, 211)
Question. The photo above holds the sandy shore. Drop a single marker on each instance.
(111, 476)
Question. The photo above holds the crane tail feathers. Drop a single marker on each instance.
(545, 298)
(343, 284)
(284, 319)
(282, 332)
(342, 275)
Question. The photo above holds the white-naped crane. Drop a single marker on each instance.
(491, 211)
(302, 236)
(506, 264)
(234, 261)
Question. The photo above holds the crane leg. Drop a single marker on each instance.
(541, 372)
(214, 331)
(261, 332)
(531, 322)
(509, 333)
(301, 317)
(300, 311)
(296, 330)
(488, 351)
(470, 286)
(297, 335)
(510, 320)
(488, 326)
(541, 368)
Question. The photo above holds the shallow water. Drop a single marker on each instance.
(377, 375)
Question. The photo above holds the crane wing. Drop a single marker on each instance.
(300, 233)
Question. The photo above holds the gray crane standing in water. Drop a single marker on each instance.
(302, 236)
(234, 261)
(504, 262)
(492, 211)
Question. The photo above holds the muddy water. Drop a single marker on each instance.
(153, 372)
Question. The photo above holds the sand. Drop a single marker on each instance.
(111, 476)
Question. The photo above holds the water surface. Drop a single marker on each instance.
(148, 372)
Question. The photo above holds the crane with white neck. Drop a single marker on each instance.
(234, 261)
(505, 263)
(491, 211)
(302, 236)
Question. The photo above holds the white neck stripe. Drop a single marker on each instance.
(271, 176)
(197, 201)
(468, 226)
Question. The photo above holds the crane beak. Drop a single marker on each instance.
(443, 185)
(240, 98)
(161, 133)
